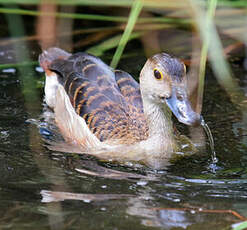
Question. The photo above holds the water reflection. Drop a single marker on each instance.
(171, 198)
(185, 195)
(166, 200)
(55, 196)
(186, 213)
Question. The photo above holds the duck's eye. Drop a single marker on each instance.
(158, 75)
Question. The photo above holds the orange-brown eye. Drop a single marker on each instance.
(157, 74)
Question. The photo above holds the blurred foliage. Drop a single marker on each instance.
(240, 226)
(134, 13)
(98, 50)
(124, 3)
(209, 20)
(189, 15)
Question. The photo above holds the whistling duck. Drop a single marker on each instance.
(106, 112)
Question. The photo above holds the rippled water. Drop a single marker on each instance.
(43, 189)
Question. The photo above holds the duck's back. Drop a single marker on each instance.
(109, 101)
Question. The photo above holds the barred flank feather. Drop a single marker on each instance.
(109, 102)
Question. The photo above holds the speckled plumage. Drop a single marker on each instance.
(106, 113)
(109, 101)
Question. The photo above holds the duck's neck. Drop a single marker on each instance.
(161, 132)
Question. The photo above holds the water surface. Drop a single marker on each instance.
(44, 189)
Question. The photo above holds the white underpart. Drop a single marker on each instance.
(74, 127)
(51, 84)
(161, 136)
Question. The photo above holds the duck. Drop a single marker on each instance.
(105, 112)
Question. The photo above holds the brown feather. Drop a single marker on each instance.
(110, 102)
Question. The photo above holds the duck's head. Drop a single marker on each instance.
(163, 81)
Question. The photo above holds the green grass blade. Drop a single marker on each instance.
(17, 65)
(111, 43)
(63, 15)
(216, 55)
(176, 21)
(240, 226)
(122, 3)
(204, 51)
(127, 3)
(134, 13)
(236, 3)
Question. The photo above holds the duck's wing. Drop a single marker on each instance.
(130, 89)
(95, 96)
(88, 81)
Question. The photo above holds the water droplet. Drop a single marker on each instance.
(9, 70)
(39, 69)
(211, 140)
(87, 200)
(142, 183)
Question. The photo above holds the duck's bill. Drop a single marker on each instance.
(181, 107)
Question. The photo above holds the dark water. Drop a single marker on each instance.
(190, 194)
(186, 195)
